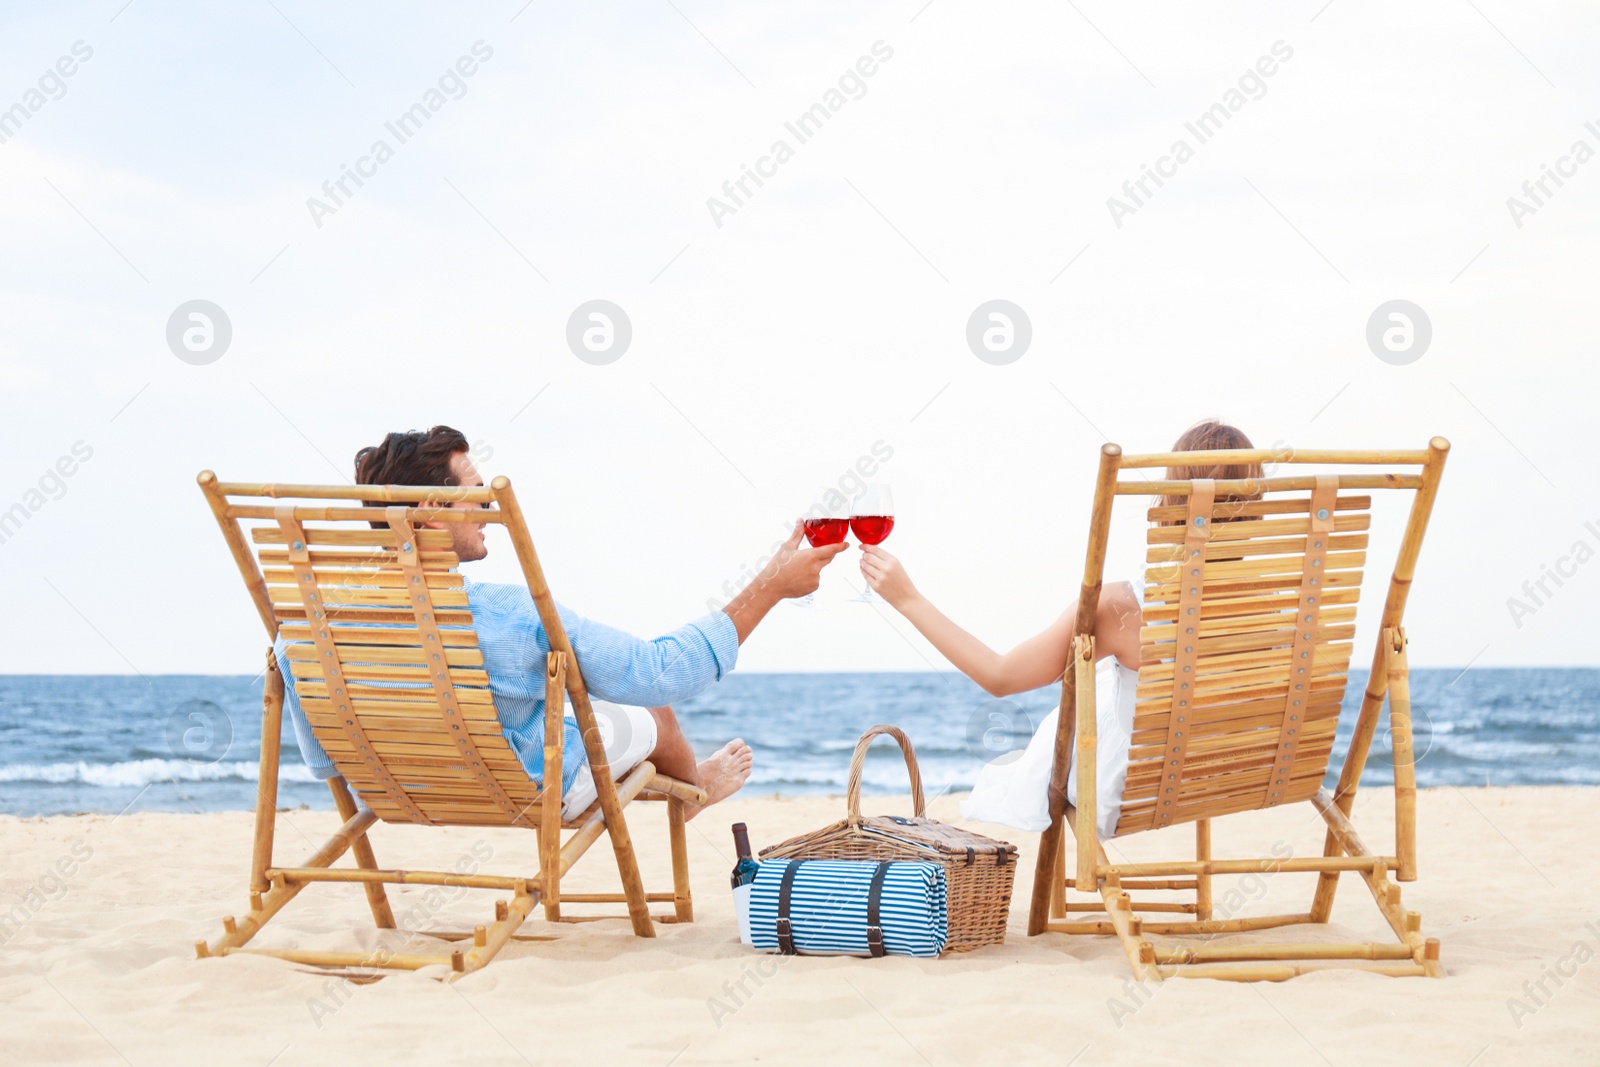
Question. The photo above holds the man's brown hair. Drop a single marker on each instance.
(411, 458)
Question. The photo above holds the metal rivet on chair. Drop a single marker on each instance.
(1322, 513)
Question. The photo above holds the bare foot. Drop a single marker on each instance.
(723, 774)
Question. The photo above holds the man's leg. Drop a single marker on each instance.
(720, 775)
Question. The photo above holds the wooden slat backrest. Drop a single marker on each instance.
(383, 652)
(1245, 742)
(1249, 615)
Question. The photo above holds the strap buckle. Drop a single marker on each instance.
(785, 928)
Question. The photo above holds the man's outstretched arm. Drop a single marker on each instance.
(630, 670)
(793, 571)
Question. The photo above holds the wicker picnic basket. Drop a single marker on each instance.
(978, 870)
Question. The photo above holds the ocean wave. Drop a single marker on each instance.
(142, 772)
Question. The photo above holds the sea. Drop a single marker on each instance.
(113, 744)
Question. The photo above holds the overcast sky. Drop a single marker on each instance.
(779, 338)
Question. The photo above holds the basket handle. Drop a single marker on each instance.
(859, 761)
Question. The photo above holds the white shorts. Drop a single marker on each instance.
(628, 734)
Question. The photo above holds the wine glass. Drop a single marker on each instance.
(829, 528)
(871, 519)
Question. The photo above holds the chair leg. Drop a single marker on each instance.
(1202, 882)
(1052, 852)
(267, 778)
(555, 698)
(683, 904)
(550, 860)
(377, 900)
(1355, 761)
(263, 906)
(616, 824)
(1058, 887)
(1405, 770)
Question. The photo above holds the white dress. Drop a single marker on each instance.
(1014, 789)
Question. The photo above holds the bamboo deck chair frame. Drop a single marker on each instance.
(1262, 586)
(431, 752)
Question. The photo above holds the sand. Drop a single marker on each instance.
(101, 968)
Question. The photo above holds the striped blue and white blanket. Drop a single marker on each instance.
(829, 904)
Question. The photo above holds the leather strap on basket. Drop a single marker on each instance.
(435, 663)
(299, 555)
(785, 927)
(858, 763)
(1308, 609)
(1185, 657)
(874, 899)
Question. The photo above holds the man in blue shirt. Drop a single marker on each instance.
(633, 681)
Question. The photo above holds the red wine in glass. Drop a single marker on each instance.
(871, 519)
(871, 529)
(821, 532)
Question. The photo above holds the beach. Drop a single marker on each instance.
(102, 969)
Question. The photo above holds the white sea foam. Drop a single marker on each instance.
(142, 772)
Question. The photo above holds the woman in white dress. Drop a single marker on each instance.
(1014, 790)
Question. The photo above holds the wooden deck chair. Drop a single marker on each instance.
(374, 601)
(1247, 630)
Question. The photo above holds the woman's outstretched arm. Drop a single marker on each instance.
(1039, 660)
